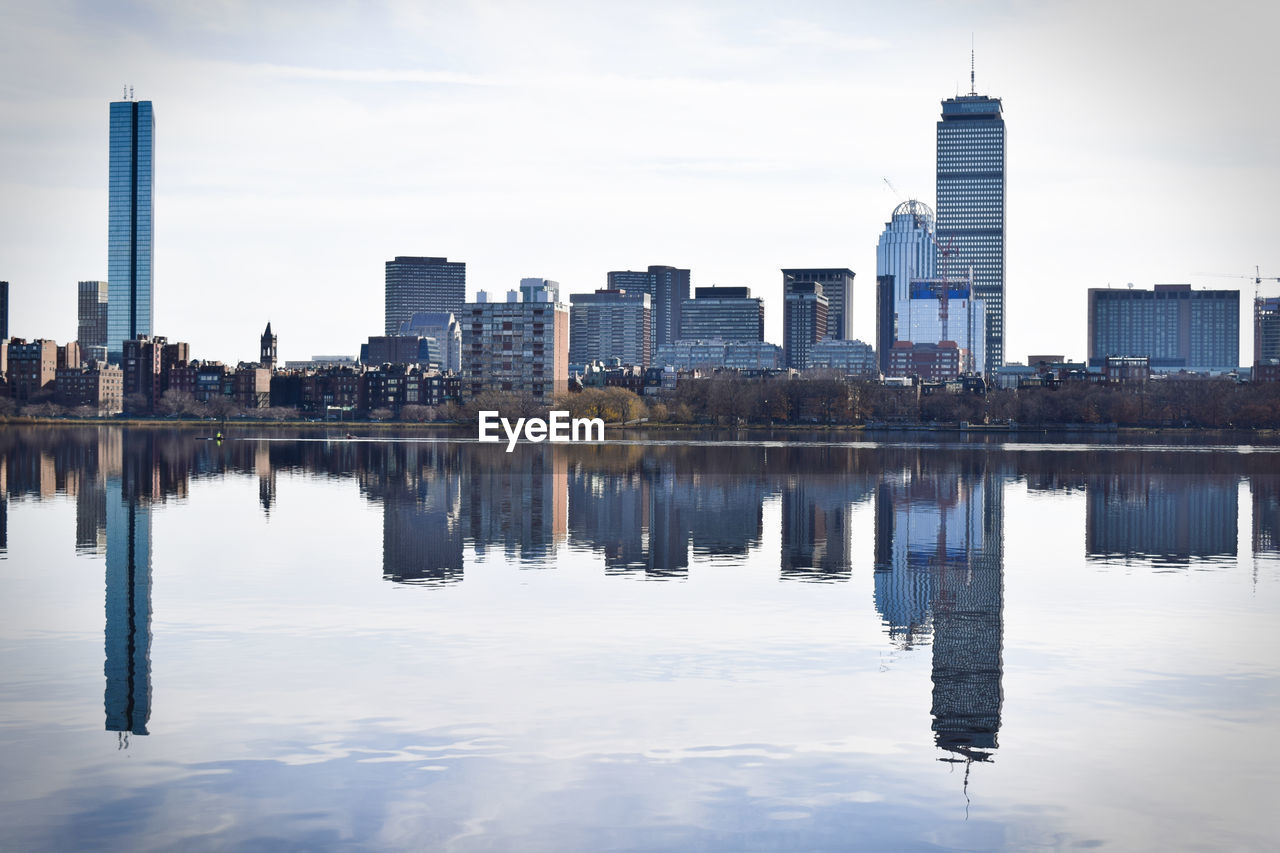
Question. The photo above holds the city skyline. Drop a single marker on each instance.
(525, 173)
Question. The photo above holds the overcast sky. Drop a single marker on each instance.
(301, 145)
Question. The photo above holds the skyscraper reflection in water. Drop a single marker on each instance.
(128, 634)
(940, 575)
(1167, 518)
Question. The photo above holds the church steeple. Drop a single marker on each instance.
(268, 359)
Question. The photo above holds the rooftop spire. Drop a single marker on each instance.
(973, 90)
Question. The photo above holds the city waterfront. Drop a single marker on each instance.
(743, 641)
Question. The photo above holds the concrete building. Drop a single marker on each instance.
(805, 314)
(729, 313)
(130, 224)
(906, 251)
(668, 288)
(971, 205)
(716, 353)
(415, 284)
(1176, 327)
(837, 287)
(515, 347)
(611, 324)
(851, 358)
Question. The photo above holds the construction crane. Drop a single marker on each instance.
(1258, 278)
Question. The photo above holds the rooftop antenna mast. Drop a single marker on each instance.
(973, 89)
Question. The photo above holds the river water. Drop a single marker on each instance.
(301, 641)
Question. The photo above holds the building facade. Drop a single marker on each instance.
(713, 353)
(1176, 327)
(971, 205)
(805, 318)
(610, 324)
(130, 293)
(1266, 337)
(926, 318)
(906, 251)
(416, 284)
(531, 287)
(4, 311)
(851, 358)
(928, 362)
(32, 367)
(442, 328)
(267, 349)
(837, 287)
(100, 387)
(91, 318)
(729, 313)
(515, 347)
(668, 289)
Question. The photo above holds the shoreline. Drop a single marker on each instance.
(949, 429)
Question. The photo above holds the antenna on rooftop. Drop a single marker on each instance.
(131, 93)
(973, 89)
(124, 92)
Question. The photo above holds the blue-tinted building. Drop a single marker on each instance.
(971, 215)
(1176, 327)
(905, 252)
(130, 224)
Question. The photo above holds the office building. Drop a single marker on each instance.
(4, 311)
(849, 358)
(1176, 327)
(804, 320)
(668, 289)
(416, 284)
(531, 287)
(729, 313)
(610, 324)
(837, 287)
(929, 318)
(130, 296)
(1266, 339)
(906, 251)
(971, 205)
(515, 347)
(91, 319)
(719, 353)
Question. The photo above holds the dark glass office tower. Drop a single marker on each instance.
(129, 224)
(970, 210)
(4, 310)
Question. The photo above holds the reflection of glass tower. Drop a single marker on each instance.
(422, 532)
(939, 574)
(1172, 518)
(129, 226)
(128, 641)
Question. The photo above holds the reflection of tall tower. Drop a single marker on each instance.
(968, 626)
(128, 635)
(939, 573)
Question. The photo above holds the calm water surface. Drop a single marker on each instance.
(296, 641)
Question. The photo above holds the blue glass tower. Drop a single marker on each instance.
(129, 226)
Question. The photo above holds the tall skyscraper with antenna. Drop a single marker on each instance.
(129, 223)
(971, 203)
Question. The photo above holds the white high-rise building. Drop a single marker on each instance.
(905, 252)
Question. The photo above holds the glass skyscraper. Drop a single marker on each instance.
(970, 223)
(129, 228)
(418, 284)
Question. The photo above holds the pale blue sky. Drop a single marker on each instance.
(299, 146)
